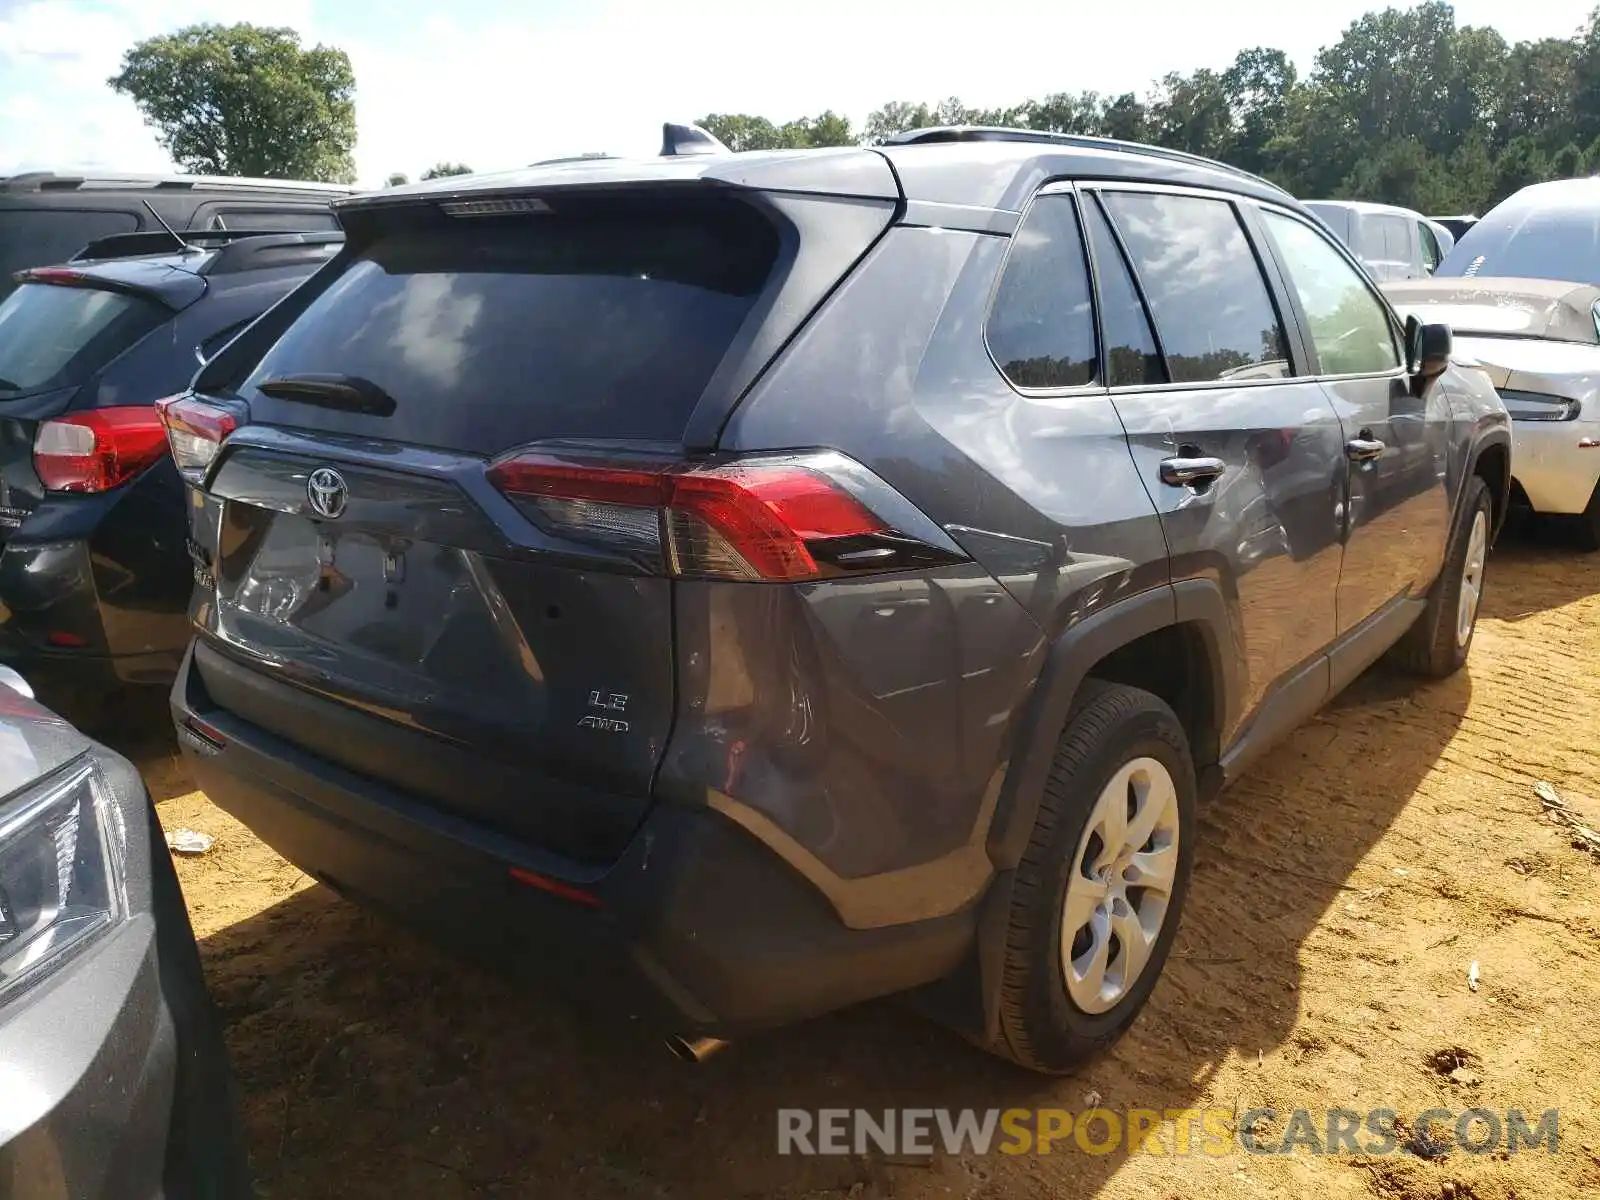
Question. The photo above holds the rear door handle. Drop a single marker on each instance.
(1363, 449)
(1189, 472)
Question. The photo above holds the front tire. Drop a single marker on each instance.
(1098, 894)
(1438, 644)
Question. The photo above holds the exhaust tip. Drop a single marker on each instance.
(694, 1050)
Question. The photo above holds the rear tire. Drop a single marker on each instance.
(1064, 999)
(1438, 644)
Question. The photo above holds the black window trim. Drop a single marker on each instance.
(1396, 326)
(1288, 318)
(1096, 386)
(1093, 197)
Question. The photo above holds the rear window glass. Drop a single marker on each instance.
(1524, 242)
(490, 332)
(53, 337)
(38, 237)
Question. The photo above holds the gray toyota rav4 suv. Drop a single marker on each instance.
(742, 585)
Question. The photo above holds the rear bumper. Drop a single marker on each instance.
(96, 587)
(1557, 471)
(696, 928)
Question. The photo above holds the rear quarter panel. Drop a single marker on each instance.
(910, 687)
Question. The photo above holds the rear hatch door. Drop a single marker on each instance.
(57, 331)
(378, 603)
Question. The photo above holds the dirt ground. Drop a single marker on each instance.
(1342, 892)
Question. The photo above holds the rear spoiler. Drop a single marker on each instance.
(159, 241)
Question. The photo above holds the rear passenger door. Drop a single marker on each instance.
(1397, 442)
(1241, 451)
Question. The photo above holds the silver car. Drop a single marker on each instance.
(1539, 342)
(114, 1083)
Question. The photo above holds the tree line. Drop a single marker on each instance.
(1407, 107)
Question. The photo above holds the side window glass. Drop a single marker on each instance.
(1397, 239)
(1205, 289)
(1431, 254)
(1350, 328)
(1131, 354)
(1041, 328)
(1369, 247)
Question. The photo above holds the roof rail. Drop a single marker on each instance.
(996, 133)
(158, 241)
(52, 181)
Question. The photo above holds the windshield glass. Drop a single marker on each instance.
(52, 337)
(1528, 242)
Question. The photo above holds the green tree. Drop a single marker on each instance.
(1191, 112)
(1519, 164)
(741, 131)
(440, 170)
(1127, 118)
(1259, 88)
(245, 100)
(398, 179)
(1063, 112)
(1537, 91)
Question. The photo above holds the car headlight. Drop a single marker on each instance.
(1536, 406)
(62, 847)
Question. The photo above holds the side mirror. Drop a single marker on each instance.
(1428, 348)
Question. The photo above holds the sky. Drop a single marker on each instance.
(499, 83)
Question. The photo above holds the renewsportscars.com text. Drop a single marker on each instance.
(1210, 1131)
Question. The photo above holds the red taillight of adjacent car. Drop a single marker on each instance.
(195, 430)
(775, 520)
(97, 450)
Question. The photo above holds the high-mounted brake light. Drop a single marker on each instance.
(760, 519)
(196, 431)
(97, 450)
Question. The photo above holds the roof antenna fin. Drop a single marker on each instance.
(186, 247)
(683, 140)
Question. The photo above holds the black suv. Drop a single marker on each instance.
(95, 573)
(46, 216)
(780, 579)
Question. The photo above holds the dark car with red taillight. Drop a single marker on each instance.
(94, 568)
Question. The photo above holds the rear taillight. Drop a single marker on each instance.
(196, 431)
(761, 519)
(97, 450)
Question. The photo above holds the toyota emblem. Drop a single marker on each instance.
(327, 491)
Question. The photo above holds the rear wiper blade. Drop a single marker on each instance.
(351, 393)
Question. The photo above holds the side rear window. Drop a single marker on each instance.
(38, 237)
(1370, 245)
(1397, 239)
(1131, 353)
(1041, 326)
(489, 332)
(53, 337)
(1205, 289)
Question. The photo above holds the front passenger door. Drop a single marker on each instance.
(1397, 510)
